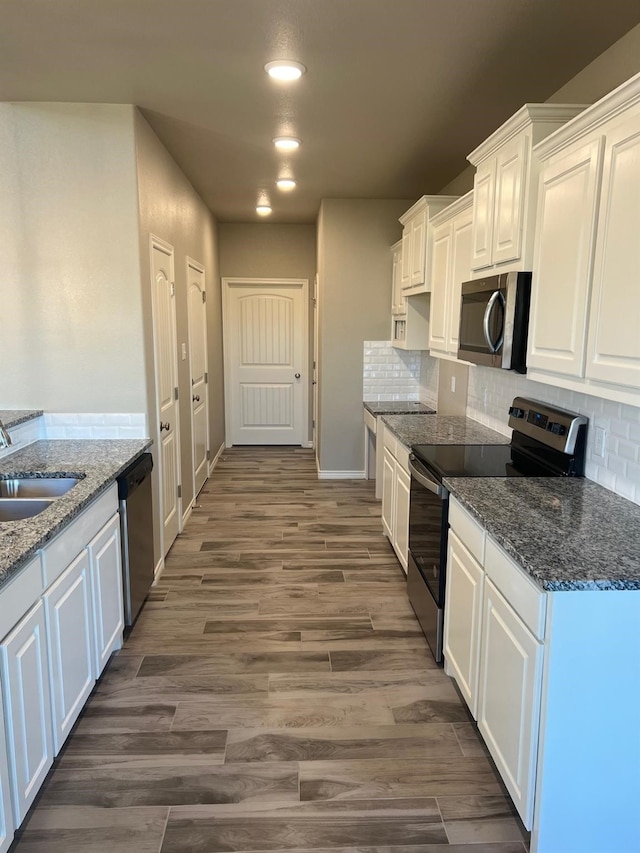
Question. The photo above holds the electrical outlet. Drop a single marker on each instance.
(453, 384)
(184, 352)
(599, 442)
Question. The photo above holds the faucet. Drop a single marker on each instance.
(5, 438)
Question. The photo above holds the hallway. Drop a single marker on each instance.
(276, 694)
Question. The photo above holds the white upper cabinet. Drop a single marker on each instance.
(505, 183)
(416, 242)
(398, 301)
(585, 303)
(450, 266)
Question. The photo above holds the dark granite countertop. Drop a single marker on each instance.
(14, 417)
(567, 533)
(441, 429)
(398, 407)
(97, 463)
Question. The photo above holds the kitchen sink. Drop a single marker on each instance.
(35, 487)
(15, 509)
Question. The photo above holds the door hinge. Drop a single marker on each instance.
(208, 455)
(204, 296)
(313, 424)
(175, 393)
(206, 377)
(179, 491)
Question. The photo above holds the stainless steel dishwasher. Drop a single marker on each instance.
(136, 528)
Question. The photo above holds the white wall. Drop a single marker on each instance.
(69, 289)
(354, 267)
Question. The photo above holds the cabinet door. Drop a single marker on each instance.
(70, 636)
(483, 195)
(106, 588)
(418, 248)
(398, 302)
(401, 515)
(462, 620)
(511, 169)
(405, 252)
(440, 282)
(388, 492)
(461, 247)
(614, 333)
(509, 698)
(7, 826)
(565, 234)
(25, 675)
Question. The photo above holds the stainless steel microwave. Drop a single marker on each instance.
(494, 320)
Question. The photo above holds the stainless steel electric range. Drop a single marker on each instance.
(545, 442)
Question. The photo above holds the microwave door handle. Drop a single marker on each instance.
(425, 481)
(496, 296)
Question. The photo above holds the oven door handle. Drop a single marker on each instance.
(424, 480)
(491, 304)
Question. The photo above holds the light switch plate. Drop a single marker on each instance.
(184, 352)
(600, 438)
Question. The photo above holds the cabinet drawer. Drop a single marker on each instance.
(19, 595)
(526, 598)
(467, 529)
(370, 421)
(58, 553)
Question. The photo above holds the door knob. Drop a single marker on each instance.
(166, 426)
(297, 376)
(196, 398)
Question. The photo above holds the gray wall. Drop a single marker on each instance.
(354, 268)
(170, 208)
(70, 285)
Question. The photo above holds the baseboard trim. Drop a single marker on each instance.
(186, 514)
(214, 461)
(307, 445)
(341, 475)
(158, 571)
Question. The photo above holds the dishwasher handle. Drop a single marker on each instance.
(423, 477)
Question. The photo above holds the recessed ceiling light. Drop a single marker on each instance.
(284, 69)
(286, 143)
(286, 184)
(263, 210)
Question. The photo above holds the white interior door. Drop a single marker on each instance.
(266, 355)
(166, 368)
(197, 299)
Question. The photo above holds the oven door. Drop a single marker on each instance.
(482, 316)
(428, 520)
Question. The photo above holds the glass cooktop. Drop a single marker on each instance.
(466, 460)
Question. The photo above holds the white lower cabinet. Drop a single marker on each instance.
(396, 489)
(106, 586)
(7, 825)
(71, 648)
(509, 697)
(25, 677)
(463, 614)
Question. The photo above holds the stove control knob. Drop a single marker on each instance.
(515, 412)
(557, 429)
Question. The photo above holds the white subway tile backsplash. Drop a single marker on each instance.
(389, 374)
(491, 392)
(71, 425)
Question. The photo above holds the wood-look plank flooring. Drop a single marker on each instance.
(275, 694)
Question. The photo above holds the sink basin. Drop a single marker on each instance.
(15, 509)
(36, 487)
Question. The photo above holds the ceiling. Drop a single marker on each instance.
(397, 92)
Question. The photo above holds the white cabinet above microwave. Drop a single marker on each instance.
(505, 184)
(585, 302)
